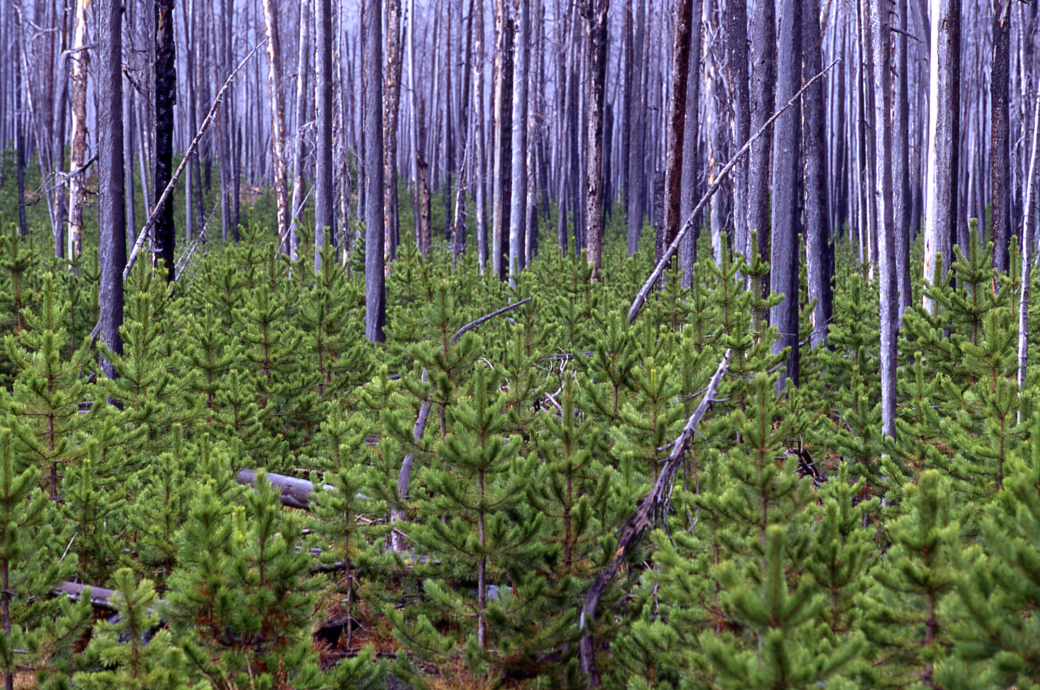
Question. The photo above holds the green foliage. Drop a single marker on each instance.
(131, 656)
(547, 426)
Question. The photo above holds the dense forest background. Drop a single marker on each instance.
(641, 344)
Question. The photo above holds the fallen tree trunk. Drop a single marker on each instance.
(295, 493)
(641, 520)
(99, 596)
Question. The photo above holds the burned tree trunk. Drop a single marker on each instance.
(676, 123)
(783, 274)
(390, 113)
(274, 86)
(819, 266)
(518, 194)
(77, 190)
(596, 33)
(324, 188)
(165, 99)
(111, 202)
(375, 294)
(1000, 140)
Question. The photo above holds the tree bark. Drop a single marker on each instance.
(635, 191)
(676, 123)
(786, 159)
(59, 207)
(596, 33)
(1027, 249)
(691, 145)
(819, 266)
(165, 99)
(390, 115)
(518, 194)
(763, 97)
(274, 86)
(19, 122)
(479, 158)
(302, 72)
(886, 233)
(943, 125)
(737, 41)
(502, 116)
(111, 202)
(324, 186)
(1000, 140)
(77, 189)
(901, 200)
(375, 294)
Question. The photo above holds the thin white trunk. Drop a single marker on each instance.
(301, 113)
(1027, 247)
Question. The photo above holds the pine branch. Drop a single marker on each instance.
(405, 475)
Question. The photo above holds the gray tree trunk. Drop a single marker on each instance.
(596, 32)
(819, 267)
(691, 141)
(785, 193)
(77, 188)
(302, 72)
(902, 204)
(518, 195)
(1000, 140)
(763, 97)
(1028, 224)
(375, 294)
(274, 86)
(392, 105)
(502, 115)
(943, 135)
(883, 200)
(635, 192)
(737, 42)
(479, 154)
(111, 202)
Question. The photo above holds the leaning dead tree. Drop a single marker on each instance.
(637, 303)
(649, 509)
(154, 215)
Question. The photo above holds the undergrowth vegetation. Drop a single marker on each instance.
(799, 548)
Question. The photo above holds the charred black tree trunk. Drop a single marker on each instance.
(324, 189)
(676, 124)
(165, 98)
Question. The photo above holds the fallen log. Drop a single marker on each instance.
(99, 596)
(640, 521)
(295, 493)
